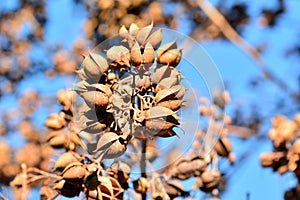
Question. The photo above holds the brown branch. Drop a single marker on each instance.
(143, 165)
(218, 19)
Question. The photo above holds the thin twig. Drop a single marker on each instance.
(24, 181)
(143, 165)
(38, 171)
(218, 19)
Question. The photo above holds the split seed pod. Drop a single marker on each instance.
(168, 54)
(110, 145)
(165, 72)
(175, 92)
(94, 65)
(119, 56)
(137, 58)
(223, 147)
(65, 159)
(74, 172)
(155, 38)
(93, 98)
(171, 104)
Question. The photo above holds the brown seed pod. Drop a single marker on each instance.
(165, 72)
(101, 88)
(175, 92)
(160, 124)
(136, 55)
(30, 155)
(119, 57)
(170, 57)
(110, 145)
(5, 153)
(267, 159)
(65, 98)
(155, 38)
(93, 98)
(187, 168)
(223, 147)
(166, 133)
(296, 146)
(171, 104)
(157, 112)
(94, 127)
(168, 54)
(28, 131)
(175, 189)
(94, 65)
(65, 159)
(81, 74)
(57, 139)
(67, 189)
(141, 185)
(74, 172)
(137, 58)
(148, 54)
(166, 83)
(55, 121)
(143, 34)
(211, 179)
(142, 82)
(287, 130)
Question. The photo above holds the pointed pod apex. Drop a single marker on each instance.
(155, 38)
(135, 54)
(144, 33)
(165, 47)
(133, 29)
(158, 111)
(123, 32)
(148, 54)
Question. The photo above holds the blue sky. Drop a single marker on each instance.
(236, 68)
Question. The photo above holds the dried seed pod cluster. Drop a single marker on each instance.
(131, 91)
(209, 149)
(284, 135)
(90, 178)
(130, 94)
(286, 150)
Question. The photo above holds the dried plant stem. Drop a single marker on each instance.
(143, 165)
(217, 18)
(38, 171)
(24, 181)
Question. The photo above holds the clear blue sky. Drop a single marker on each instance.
(237, 69)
